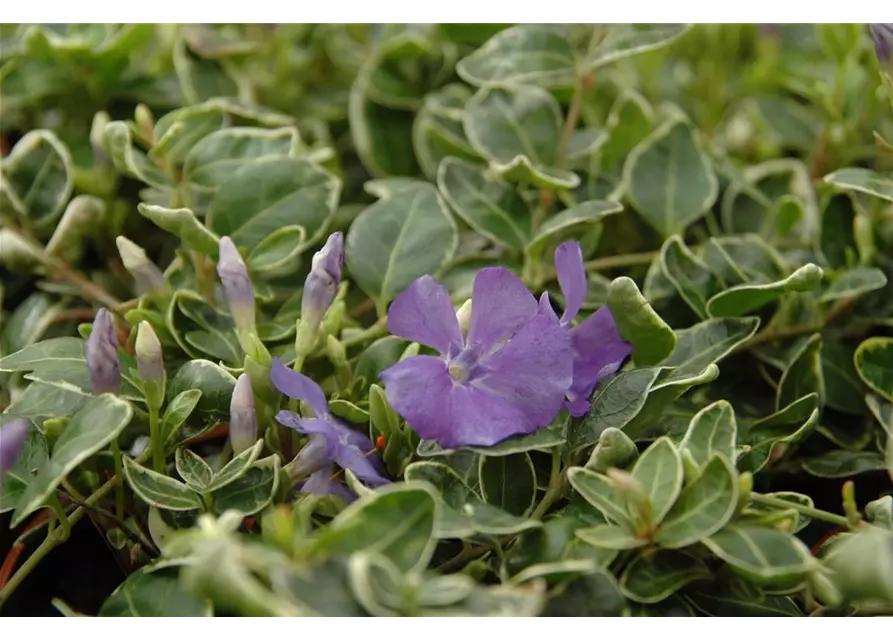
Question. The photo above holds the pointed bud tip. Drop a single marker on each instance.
(242, 419)
(102, 354)
(149, 356)
(237, 284)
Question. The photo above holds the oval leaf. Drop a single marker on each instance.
(159, 490)
(509, 482)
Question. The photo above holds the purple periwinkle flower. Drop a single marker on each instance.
(331, 441)
(507, 377)
(242, 419)
(102, 355)
(236, 285)
(599, 351)
(321, 284)
(12, 438)
(882, 36)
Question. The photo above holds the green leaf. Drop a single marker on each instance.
(655, 575)
(745, 298)
(524, 54)
(437, 131)
(882, 411)
(763, 555)
(236, 468)
(804, 374)
(622, 40)
(570, 222)
(854, 282)
(397, 521)
(100, 421)
(40, 400)
(874, 363)
(159, 490)
(250, 491)
(32, 457)
(592, 595)
(28, 322)
(176, 413)
(183, 224)
(712, 430)
(407, 234)
(378, 356)
(653, 340)
(150, 593)
(273, 192)
(841, 463)
(193, 469)
(215, 383)
(177, 132)
(517, 129)
(669, 179)
(615, 403)
(725, 605)
(216, 158)
(491, 207)
(708, 342)
(541, 440)
(509, 482)
(863, 181)
(843, 389)
(118, 142)
(349, 411)
(787, 425)
(39, 172)
(609, 536)
(693, 279)
(666, 389)
(405, 67)
(703, 507)
(598, 491)
(660, 472)
(80, 216)
(629, 122)
(279, 254)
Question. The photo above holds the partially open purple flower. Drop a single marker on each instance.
(331, 441)
(12, 438)
(102, 355)
(322, 281)
(507, 377)
(599, 351)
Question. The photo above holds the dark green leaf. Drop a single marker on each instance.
(250, 491)
(32, 457)
(840, 463)
(692, 278)
(854, 282)
(745, 298)
(509, 482)
(154, 594)
(874, 363)
(803, 375)
(193, 469)
(655, 575)
(39, 173)
(863, 181)
(708, 342)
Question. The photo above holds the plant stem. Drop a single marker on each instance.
(119, 480)
(817, 514)
(155, 440)
(377, 330)
(556, 482)
(771, 335)
(610, 262)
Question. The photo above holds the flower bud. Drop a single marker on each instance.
(882, 36)
(146, 274)
(236, 285)
(861, 565)
(12, 438)
(102, 355)
(614, 449)
(242, 419)
(463, 315)
(150, 363)
(321, 284)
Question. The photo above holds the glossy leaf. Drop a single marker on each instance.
(609, 536)
(598, 491)
(250, 491)
(183, 224)
(745, 298)
(708, 342)
(760, 554)
(622, 40)
(712, 431)
(803, 375)
(216, 158)
(854, 282)
(509, 482)
(693, 280)
(862, 180)
(39, 173)
(194, 471)
(654, 576)
(660, 473)
(152, 593)
(874, 363)
(159, 490)
(653, 340)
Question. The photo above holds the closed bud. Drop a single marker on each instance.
(882, 37)
(236, 285)
(102, 355)
(336, 352)
(322, 282)
(146, 274)
(463, 315)
(12, 439)
(150, 363)
(145, 123)
(861, 565)
(614, 449)
(242, 419)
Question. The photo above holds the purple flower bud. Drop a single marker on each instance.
(236, 284)
(102, 355)
(12, 437)
(242, 420)
(146, 274)
(148, 354)
(882, 36)
(322, 281)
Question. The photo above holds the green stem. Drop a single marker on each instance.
(377, 330)
(64, 523)
(611, 262)
(816, 514)
(556, 482)
(155, 440)
(119, 483)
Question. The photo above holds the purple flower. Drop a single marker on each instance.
(236, 285)
(242, 419)
(507, 377)
(322, 281)
(598, 348)
(882, 36)
(102, 355)
(12, 438)
(331, 441)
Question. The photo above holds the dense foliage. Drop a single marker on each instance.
(236, 333)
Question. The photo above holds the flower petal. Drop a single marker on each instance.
(571, 278)
(501, 305)
(599, 351)
(298, 386)
(315, 455)
(324, 482)
(438, 408)
(534, 370)
(423, 313)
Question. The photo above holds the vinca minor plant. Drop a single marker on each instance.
(446, 320)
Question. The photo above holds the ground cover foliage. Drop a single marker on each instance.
(448, 320)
